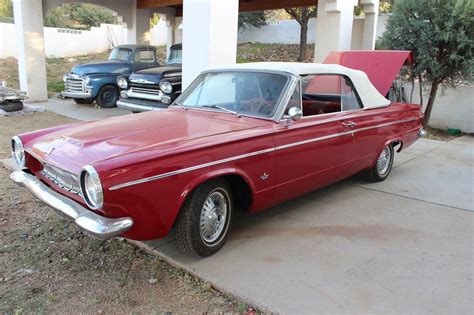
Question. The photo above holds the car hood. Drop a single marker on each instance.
(154, 75)
(381, 66)
(109, 66)
(158, 133)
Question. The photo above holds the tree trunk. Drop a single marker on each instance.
(429, 105)
(303, 41)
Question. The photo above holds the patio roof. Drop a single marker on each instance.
(244, 5)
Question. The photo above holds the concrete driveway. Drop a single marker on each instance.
(69, 108)
(403, 245)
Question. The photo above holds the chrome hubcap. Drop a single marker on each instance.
(213, 216)
(383, 162)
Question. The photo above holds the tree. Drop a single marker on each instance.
(252, 19)
(6, 11)
(79, 16)
(440, 35)
(302, 16)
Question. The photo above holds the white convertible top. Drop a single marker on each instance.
(369, 95)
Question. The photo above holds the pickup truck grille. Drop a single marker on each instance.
(64, 180)
(155, 92)
(74, 85)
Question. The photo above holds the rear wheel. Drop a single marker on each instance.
(84, 100)
(11, 106)
(203, 223)
(383, 166)
(108, 96)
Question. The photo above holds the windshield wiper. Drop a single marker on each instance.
(222, 108)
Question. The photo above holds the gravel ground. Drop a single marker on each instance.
(48, 266)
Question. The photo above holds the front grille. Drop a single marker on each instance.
(64, 180)
(74, 85)
(155, 92)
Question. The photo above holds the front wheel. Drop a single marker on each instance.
(82, 101)
(383, 166)
(108, 96)
(203, 223)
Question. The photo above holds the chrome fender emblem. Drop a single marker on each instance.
(264, 176)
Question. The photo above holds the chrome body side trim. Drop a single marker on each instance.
(238, 157)
(189, 169)
(91, 223)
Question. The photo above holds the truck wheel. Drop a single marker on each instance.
(203, 224)
(383, 166)
(84, 100)
(108, 96)
(11, 106)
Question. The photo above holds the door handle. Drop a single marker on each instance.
(350, 124)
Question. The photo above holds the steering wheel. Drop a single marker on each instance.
(260, 106)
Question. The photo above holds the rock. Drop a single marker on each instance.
(65, 260)
(152, 281)
(24, 235)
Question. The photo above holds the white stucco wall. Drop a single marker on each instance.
(281, 32)
(67, 42)
(453, 108)
(288, 32)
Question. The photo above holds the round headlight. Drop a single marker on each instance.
(87, 80)
(65, 77)
(166, 87)
(18, 152)
(91, 188)
(122, 82)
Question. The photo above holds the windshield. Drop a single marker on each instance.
(120, 54)
(248, 93)
(175, 56)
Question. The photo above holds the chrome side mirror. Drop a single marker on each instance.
(295, 113)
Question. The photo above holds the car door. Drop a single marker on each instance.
(315, 150)
(367, 139)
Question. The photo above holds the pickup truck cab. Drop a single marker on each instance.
(153, 88)
(91, 82)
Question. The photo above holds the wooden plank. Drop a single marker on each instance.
(146, 4)
(260, 5)
(244, 5)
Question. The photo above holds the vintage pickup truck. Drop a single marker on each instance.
(98, 81)
(154, 88)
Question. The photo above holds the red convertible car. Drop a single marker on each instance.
(242, 138)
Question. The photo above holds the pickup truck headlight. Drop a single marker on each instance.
(166, 87)
(87, 80)
(18, 152)
(122, 82)
(65, 78)
(91, 188)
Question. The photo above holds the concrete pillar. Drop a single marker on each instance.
(209, 35)
(178, 29)
(170, 35)
(371, 10)
(30, 43)
(138, 26)
(333, 27)
(168, 15)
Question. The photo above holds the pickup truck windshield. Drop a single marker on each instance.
(120, 54)
(175, 57)
(242, 92)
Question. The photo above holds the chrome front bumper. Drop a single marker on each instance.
(136, 107)
(91, 223)
(76, 94)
